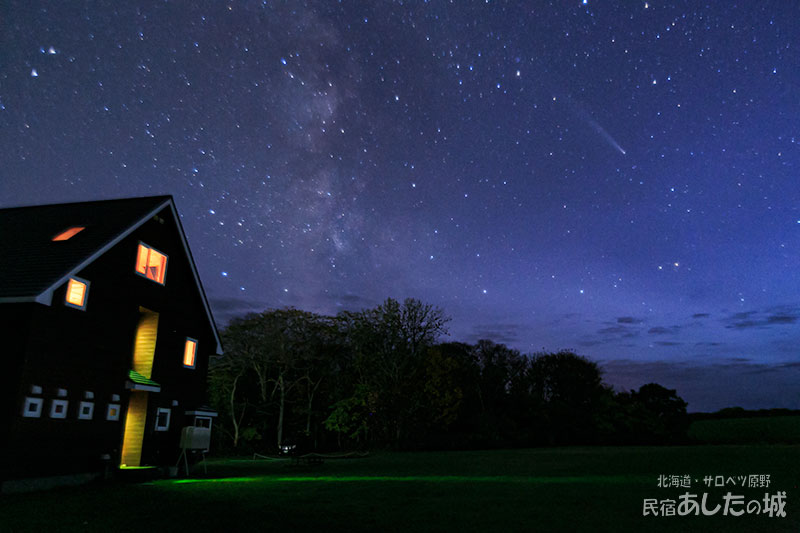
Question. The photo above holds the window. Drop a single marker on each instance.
(162, 419)
(58, 408)
(151, 263)
(112, 412)
(86, 411)
(68, 233)
(32, 407)
(77, 290)
(189, 352)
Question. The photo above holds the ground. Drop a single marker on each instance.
(553, 489)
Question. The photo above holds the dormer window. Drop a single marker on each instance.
(151, 263)
(77, 291)
(189, 352)
(68, 233)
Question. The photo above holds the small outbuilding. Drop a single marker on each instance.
(107, 334)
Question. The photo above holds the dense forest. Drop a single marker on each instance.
(380, 378)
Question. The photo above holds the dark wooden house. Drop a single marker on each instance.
(107, 335)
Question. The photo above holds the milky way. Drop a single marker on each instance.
(329, 155)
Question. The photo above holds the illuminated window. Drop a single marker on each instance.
(189, 352)
(112, 412)
(68, 233)
(77, 290)
(32, 407)
(162, 419)
(58, 408)
(151, 263)
(85, 411)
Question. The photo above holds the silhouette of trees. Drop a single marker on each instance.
(379, 377)
(388, 346)
(652, 415)
(270, 357)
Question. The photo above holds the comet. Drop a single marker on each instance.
(607, 136)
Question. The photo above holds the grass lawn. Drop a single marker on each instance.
(561, 489)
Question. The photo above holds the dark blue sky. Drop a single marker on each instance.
(620, 181)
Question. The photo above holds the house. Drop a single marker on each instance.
(107, 334)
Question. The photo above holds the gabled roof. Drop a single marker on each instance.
(33, 266)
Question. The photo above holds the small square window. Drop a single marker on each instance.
(115, 397)
(162, 419)
(77, 291)
(112, 412)
(189, 352)
(36, 389)
(151, 263)
(58, 408)
(32, 407)
(85, 410)
(202, 421)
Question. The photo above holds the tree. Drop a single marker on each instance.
(226, 378)
(665, 418)
(569, 387)
(293, 340)
(441, 387)
(387, 346)
(278, 349)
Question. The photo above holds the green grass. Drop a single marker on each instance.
(563, 489)
(763, 430)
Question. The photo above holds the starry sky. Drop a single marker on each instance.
(619, 180)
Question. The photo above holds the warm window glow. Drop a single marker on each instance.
(189, 352)
(151, 263)
(76, 293)
(68, 234)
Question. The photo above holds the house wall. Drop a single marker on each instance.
(14, 320)
(91, 350)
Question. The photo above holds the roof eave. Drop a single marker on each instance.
(196, 275)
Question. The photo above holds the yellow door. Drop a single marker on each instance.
(144, 349)
(134, 429)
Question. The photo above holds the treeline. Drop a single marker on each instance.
(740, 412)
(380, 378)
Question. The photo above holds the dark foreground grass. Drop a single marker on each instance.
(566, 489)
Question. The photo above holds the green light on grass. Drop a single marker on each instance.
(215, 480)
(418, 479)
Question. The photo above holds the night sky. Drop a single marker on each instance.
(619, 181)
